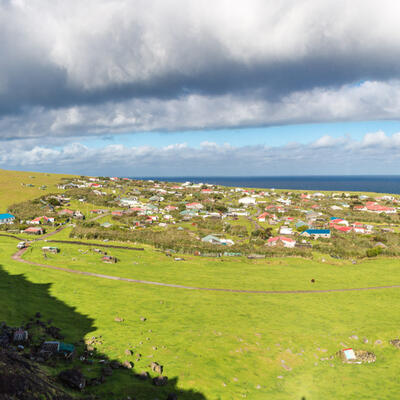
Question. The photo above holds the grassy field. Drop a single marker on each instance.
(15, 189)
(217, 345)
(222, 345)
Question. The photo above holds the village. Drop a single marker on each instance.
(209, 220)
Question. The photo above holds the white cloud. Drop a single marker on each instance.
(330, 155)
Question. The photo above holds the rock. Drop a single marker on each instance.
(143, 319)
(354, 337)
(172, 396)
(128, 352)
(127, 364)
(143, 376)
(73, 378)
(160, 380)
(156, 367)
(118, 319)
(365, 340)
(38, 315)
(395, 343)
(115, 364)
(378, 341)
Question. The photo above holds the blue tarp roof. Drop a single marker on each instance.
(6, 216)
(318, 231)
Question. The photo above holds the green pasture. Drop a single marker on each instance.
(217, 345)
(14, 186)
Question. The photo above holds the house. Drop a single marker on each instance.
(66, 211)
(285, 230)
(215, 240)
(42, 220)
(282, 241)
(194, 206)
(262, 217)
(34, 230)
(372, 206)
(317, 233)
(7, 218)
(338, 221)
(117, 213)
(342, 228)
(128, 202)
(247, 200)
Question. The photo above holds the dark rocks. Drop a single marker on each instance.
(160, 380)
(143, 376)
(73, 378)
(172, 396)
(156, 367)
(38, 315)
(115, 364)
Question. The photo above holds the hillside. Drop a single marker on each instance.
(172, 323)
(17, 186)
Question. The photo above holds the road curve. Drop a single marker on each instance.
(18, 254)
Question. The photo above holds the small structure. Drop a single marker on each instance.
(50, 348)
(34, 230)
(20, 335)
(109, 259)
(281, 241)
(349, 354)
(50, 249)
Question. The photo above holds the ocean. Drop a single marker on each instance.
(361, 183)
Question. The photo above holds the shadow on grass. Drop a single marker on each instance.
(21, 299)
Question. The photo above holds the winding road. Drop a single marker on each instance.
(18, 257)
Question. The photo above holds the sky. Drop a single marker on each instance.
(195, 88)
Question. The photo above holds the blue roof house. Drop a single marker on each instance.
(317, 233)
(6, 218)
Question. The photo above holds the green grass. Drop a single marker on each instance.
(209, 340)
(213, 345)
(12, 191)
(226, 272)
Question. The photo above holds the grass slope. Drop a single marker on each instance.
(12, 191)
(227, 345)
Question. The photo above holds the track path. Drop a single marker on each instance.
(18, 254)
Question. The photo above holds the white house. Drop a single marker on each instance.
(247, 200)
(281, 240)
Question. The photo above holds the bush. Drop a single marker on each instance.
(375, 251)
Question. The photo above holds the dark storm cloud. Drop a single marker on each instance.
(64, 63)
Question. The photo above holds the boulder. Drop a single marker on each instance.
(115, 364)
(73, 378)
(395, 343)
(127, 364)
(118, 319)
(143, 376)
(160, 380)
(156, 367)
